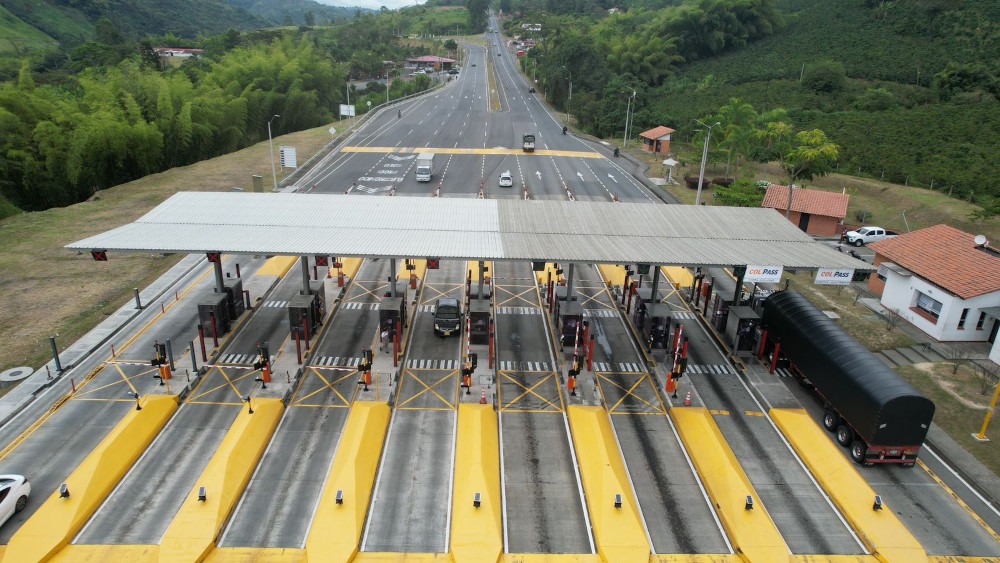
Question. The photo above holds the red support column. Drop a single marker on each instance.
(590, 355)
(492, 345)
(774, 358)
(763, 345)
(298, 347)
(396, 344)
(305, 331)
(201, 340)
(215, 332)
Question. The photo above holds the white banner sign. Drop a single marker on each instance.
(347, 110)
(762, 274)
(288, 157)
(834, 276)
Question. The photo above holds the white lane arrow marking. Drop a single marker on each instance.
(539, 174)
(613, 178)
(580, 176)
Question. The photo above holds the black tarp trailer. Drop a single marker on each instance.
(872, 410)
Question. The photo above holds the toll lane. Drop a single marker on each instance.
(544, 509)
(144, 504)
(357, 323)
(409, 511)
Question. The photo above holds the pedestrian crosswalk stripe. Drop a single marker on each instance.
(426, 309)
(526, 366)
(432, 364)
(240, 359)
(359, 305)
(276, 303)
(781, 372)
(602, 366)
(683, 315)
(336, 361)
(629, 366)
(600, 312)
(711, 369)
(518, 310)
(623, 367)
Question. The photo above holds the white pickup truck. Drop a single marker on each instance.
(868, 235)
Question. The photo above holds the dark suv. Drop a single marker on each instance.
(447, 317)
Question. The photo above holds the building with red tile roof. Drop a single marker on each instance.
(816, 212)
(656, 140)
(942, 280)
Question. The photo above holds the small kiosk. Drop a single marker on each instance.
(479, 321)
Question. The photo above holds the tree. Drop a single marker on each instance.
(310, 18)
(824, 77)
(743, 193)
(737, 119)
(804, 156)
(450, 45)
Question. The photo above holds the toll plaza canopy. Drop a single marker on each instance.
(470, 229)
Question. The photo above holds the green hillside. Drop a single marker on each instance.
(19, 37)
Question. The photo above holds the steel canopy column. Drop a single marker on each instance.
(304, 261)
(482, 264)
(220, 284)
(392, 276)
(570, 285)
(656, 283)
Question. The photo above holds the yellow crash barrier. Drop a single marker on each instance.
(613, 274)
(337, 528)
(552, 558)
(58, 520)
(367, 557)
(752, 532)
(256, 555)
(108, 554)
(696, 558)
(277, 266)
(879, 530)
(191, 534)
(678, 276)
(477, 532)
(618, 530)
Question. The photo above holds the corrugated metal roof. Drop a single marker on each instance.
(560, 231)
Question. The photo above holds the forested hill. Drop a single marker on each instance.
(72, 22)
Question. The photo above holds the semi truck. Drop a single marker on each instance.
(528, 142)
(868, 235)
(425, 166)
(869, 408)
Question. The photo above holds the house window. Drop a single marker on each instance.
(928, 305)
(981, 321)
(961, 320)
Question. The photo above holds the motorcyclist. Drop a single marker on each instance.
(616, 152)
(399, 113)
(564, 129)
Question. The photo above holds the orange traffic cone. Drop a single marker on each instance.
(687, 400)
(482, 400)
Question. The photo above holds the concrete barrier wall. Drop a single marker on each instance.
(752, 532)
(477, 533)
(337, 528)
(618, 532)
(192, 533)
(58, 520)
(881, 532)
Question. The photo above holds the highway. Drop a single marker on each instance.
(277, 492)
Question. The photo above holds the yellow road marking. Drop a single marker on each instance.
(514, 296)
(718, 412)
(125, 379)
(427, 388)
(296, 401)
(959, 500)
(531, 390)
(753, 413)
(631, 392)
(518, 152)
(229, 382)
(438, 293)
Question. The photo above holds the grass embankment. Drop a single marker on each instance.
(46, 290)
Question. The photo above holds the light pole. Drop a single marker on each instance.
(628, 107)
(270, 145)
(704, 157)
(570, 81)
(387, 86)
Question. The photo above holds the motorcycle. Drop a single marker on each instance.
(564, 130)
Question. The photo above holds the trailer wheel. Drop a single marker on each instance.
(858, 451)
(845, 436)
(830, 420)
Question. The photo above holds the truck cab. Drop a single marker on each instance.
(528, 142)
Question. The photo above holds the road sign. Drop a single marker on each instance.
(433, 263)
(322, 260)
(214, 257)
(99, 255)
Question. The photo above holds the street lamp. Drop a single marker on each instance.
(628, 108)
(270, 145)
(387, 86)
(570, 81)
(704, 157)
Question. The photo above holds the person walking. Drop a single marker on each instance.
(385, 339)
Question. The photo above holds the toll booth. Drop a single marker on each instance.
(401, 288)
(304, 315)
(741, 330)
(392, 314)
(234, 293)
(479, 321)
(318, 288)
(570, 315)
(719, 311)
(652, 320)
(214, 307)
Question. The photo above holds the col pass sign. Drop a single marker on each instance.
(762, 274)
(834, 276)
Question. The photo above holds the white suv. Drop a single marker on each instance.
(506, 180)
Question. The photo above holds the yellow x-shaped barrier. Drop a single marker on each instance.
(411, 374)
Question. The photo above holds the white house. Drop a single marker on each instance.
(943, 281)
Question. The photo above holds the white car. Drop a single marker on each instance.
(14, 492)
(506, 180)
